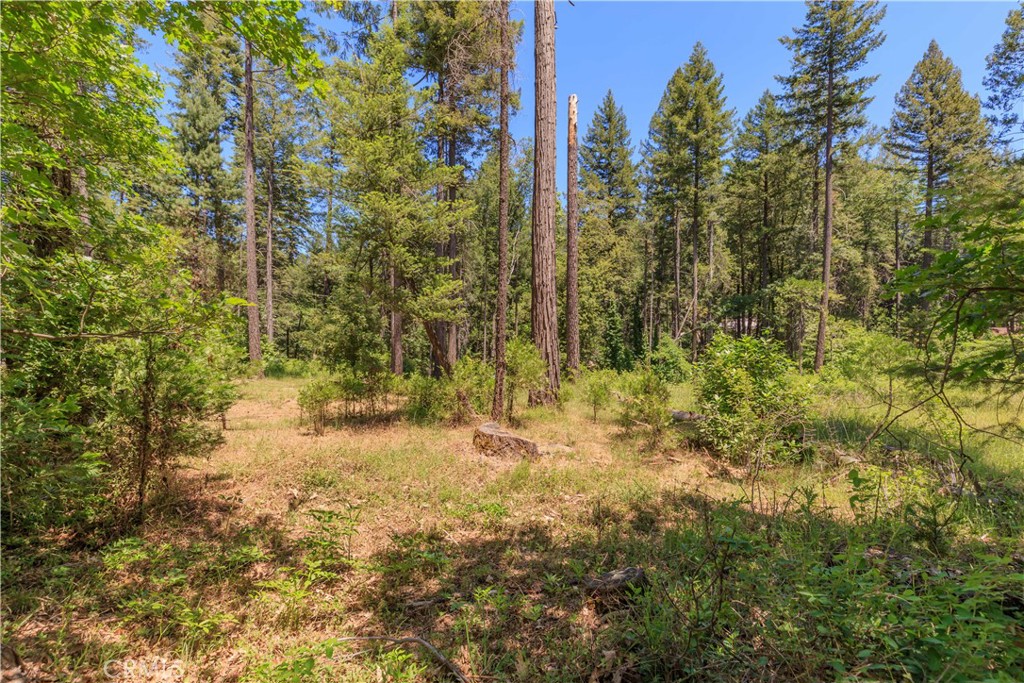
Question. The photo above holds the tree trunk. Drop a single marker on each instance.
(501, 307)
(896, 244)
(251, 288)
(815, 202)
(826, 266)
(397, 363)
(543, 305)
(929, 199)
(677, 293)
(572, 301)
(450, 326)
(270, 249)
(695, 228)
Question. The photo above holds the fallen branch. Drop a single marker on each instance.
(412, 640)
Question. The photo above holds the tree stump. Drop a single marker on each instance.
(491, 439)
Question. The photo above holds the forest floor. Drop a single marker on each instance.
(253, 561)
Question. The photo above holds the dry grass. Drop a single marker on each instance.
(232, 575)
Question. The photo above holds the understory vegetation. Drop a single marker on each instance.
(758, 380)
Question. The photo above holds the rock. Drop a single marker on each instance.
(616, 582)
(491, 439)
(687, 416)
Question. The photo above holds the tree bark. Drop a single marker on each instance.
(572, 294)
(677, 294)
(397, 362)
(543, 307)
(251, 289)
(826, 266)
(896, 266)
(452, 250)
(270, 248)
(501, 306)
(695, 228)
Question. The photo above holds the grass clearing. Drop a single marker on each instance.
(255, 559)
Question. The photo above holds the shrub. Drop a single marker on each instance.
(669, 362)
(754, 401)
(525, 371)
(596, 387)
(645, 403)
(315, 399)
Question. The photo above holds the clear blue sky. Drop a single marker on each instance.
(632, 48)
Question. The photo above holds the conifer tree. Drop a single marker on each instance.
(1004, 78)
(610, 249)
(827, 96)
(543, 315)
(937, 128)
(703, 124)
(206, 95)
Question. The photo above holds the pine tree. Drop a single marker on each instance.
(937, 128)
(610, 249)
(251, 276)
(543, 314)
(825, 96)
(206, 90)
(703, 124)
(1004, 78)
(763, 183)
(504, 142)
(388, 187)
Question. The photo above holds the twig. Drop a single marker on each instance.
(455, 671)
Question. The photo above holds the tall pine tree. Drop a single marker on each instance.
(827, 96)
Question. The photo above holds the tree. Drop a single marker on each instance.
(543, 314)
(501, 306)
(937, 128)
(828, 50)
(763, 184)
(388, 186)
(610, 250)
(572, 294)
(206, 88)
(451, 44)
(703, 123)
(1004, 78)
(251, 275)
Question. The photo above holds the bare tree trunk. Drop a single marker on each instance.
(270, 249)
(572, 293)
(929, 201)
(501, 307)
(826, 267)
(251, 289)
(397, 362)
(677, 295)
(452, 250)
(898, 300)
(544, 304)
(695, 228)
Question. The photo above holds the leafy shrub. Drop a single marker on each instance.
(315, 399)
(473, 380)
(754, 401)
(425, 400)
(525, 371)
(596, 387)
(645, 403)
(669, 362)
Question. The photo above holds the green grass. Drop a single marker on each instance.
(258, 558)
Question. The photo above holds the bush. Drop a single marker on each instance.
(596, 387)
(754, 401)
(315, 399)
(669, 362)
(525, 371)
(645, 403)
